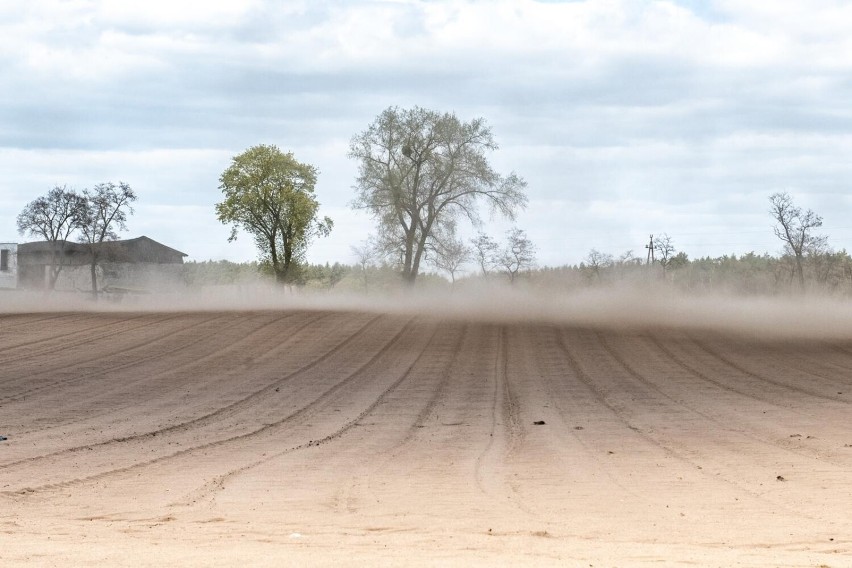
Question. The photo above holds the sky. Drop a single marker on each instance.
(625, 117)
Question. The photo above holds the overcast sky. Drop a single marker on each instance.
(626, 117)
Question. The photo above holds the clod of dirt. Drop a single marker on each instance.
(539, 422)
(277, 389)
(780, 478)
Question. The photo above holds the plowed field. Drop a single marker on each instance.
(328, 437)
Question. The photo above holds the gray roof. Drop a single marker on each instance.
(127, 250)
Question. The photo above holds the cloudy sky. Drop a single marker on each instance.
(626, 117)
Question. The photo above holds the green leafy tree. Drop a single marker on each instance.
(420, 171)
(270, 195)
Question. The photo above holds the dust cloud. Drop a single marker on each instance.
(626, 308)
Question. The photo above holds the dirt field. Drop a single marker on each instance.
(274, 438)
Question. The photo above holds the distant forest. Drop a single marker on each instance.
(824, 272)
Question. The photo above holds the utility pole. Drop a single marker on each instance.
(650, 246)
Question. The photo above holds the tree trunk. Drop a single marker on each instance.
(53, 272)
(52, 277)
(409, 273)
(800, 272)
(93, 268)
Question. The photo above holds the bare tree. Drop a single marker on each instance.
(518, 255)
(626, 261)
(449, 255)
(54, 218)
(107, 206)
(796, 229)
(420, 171)
(366, 253)
(484, 252)
(665, 249)
(596, 261)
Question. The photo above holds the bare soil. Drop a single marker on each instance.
(270, 438)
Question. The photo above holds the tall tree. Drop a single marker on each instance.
(270, 195)
(53, 217)
(107, 207)
(420, 171)
(796, 229)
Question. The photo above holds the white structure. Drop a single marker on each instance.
(8, 265)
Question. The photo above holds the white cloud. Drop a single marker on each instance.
(623, 115)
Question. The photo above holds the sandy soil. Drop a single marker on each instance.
(269, 438)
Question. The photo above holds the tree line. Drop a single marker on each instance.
(422, 174)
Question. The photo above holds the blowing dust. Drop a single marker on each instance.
(627, 308)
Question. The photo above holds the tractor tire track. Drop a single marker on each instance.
(718, 424)
(218, 483)
(103, 371)
(223, 413)
(741, 369)
(174, 369)
(668, 449)
(66, 344)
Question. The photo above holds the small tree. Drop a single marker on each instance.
(449, 255)
(336, 273)
(796, 229)
(665, 250)
(270, 195)
(518, 255)
(596, 261)
(53, 217)
(627, 262)
(107, 206)
(366, 254)
(484, 252)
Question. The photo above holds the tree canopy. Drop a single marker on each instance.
(270, 195)
(518, 254)
(107, 206)
(420, 171)
(796, 229)
(53, 217)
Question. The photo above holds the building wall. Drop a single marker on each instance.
(138, 276)
(9, 271)
(147, 276)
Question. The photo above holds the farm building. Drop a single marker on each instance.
(8, 265)
(137, 264)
